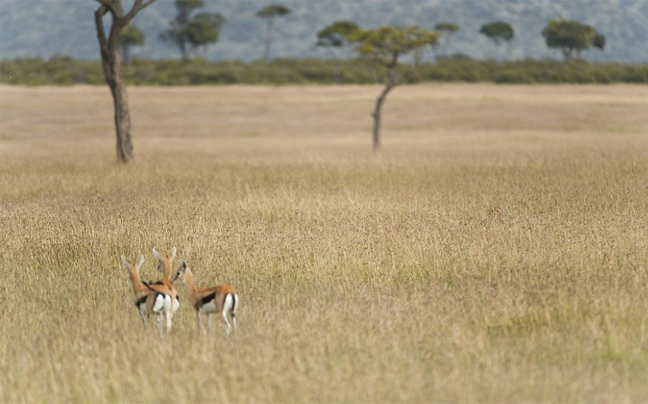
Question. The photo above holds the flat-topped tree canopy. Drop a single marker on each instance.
(386, 44)
(498, 31)
(571, 37)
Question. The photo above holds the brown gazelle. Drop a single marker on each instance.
(221, 299)
(165, 265)
(150, 299)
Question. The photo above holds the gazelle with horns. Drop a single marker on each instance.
(150, 299)
(165, 265)
(221, 299)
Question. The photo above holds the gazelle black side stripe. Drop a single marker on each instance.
(208, 298)
(140, 301)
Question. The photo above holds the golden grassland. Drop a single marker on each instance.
(495, 249)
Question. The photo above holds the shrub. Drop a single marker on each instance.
(63, 70)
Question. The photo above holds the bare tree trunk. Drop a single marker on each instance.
(337, 76)
(183, 51)
(568, 55)
(268, 40)
(338, 71)
(391, 83)
(124, 51)
(122, 121)
(111, 64)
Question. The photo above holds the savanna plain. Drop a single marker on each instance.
(494, 250)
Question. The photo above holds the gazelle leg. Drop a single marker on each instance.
(199, 322)
(159, 323)
(208, 322)
(168, 316)
(227, 324)
(233, 311)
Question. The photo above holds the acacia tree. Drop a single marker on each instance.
(447, 30)
(269, 13)
(497, 32)
(385, 45)
(129, 36)
(111, 65)
(189, 34)
(571, 37)
(335, 37)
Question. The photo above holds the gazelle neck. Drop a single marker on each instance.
(135, 279)
(189, 284)
(166, 270)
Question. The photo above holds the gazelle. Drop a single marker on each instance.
(221, 299)
(165, 265)
(150, 299)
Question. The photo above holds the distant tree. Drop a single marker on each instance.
(129, 36)
(111, 65)
(385, 45)
(269, 13)
(189, 34)
(447, 30)
(571, 37)
(335, 37)
(497, 32)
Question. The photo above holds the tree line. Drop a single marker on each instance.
(64, 70)
(192, 31)
(382, 48)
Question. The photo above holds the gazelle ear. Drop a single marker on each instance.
(184, 265)
(125, 262)
(141, 261)
(157, 254)
(173, 253)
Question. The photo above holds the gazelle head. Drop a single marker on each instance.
(165, 262)
(134, 271)
(181, 275)
(132, 267)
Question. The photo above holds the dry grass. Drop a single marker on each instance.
(493, 251)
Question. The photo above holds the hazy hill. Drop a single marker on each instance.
(45, 27)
